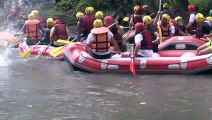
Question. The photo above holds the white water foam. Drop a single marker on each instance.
(4, 52)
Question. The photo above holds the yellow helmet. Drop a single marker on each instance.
(200, 18)
(209, 18)
(147, 20)
(36, 12)
(89, 10)
(178, 18)
(50, 21)
(166, 16)
(97, 23)
(165, 6)
(79, 15)
(99, 15)
(31, 16)
(126, 19)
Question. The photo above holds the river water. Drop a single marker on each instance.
(46, 89)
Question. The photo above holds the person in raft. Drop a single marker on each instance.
(32, 30)
(99, 41)
(143, 41)
(58, 31)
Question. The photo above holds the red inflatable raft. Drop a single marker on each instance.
(38, 49)
(169, 61)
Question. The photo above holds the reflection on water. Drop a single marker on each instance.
(42, 89)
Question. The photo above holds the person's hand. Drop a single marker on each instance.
(118, 52)
(159, 12)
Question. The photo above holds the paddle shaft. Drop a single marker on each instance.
(44, 50)
(132, 67)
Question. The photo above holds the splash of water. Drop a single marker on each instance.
(4, 52)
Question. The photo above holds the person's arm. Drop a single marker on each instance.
(156, 18)
(113, 41)
(51, 34)
(79, 30)
(191, 21)
(138, 39)
(67, 31)
(182, 33)
(90, 38)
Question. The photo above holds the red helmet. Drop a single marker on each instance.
(139, 26)
(57, 22)
(191, 8)
(109, 19)
(138, 9)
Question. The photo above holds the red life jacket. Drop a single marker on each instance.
(32, 31)
(60, 32)
(146, 43)
(199, 33)
(87, 25)
(101, 43)
(165, 30)
(117, 36)
(42, 21)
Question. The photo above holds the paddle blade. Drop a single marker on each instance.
(132, 68)
(57, 51)
(25, 54)
(65, 41)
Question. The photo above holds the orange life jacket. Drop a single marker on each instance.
(32, 31)
(146, 43)
(60, 32)
(101, 43)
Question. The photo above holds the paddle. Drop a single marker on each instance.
(58, 50)
(16, 43)
(43, 50)
(159, 28)
(27, 53)
(132, 67)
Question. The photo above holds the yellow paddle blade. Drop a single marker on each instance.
(25, 54)
(65, 41)
(160, 33)
(56, 51)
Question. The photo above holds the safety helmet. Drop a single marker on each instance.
(200, 18)
(138, 9)
(89, 10)
(97, 23)
(147, 20)
(209, 18)
(165, 6)
(139, 26)
(57, 22)
(126, 19)
(50, 21)
(99, 15)
(79, 15)
(109, 19)
(210, 13)
(31, 16)
(145, 6)
(191, 8)
(166, 16)
(36, 12)
(178, 18)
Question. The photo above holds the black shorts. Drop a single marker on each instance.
(100, 56)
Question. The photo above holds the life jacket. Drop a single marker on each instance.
(199, 33)
(32, 31)
(87, 24)
(136, 18)
(152, 30)
(146, 43)
(60, 32)
(42, 21)
(165, 30)
(101, 43)
(117, 36)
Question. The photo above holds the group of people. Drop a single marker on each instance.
(36, 29)
(102, 32)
